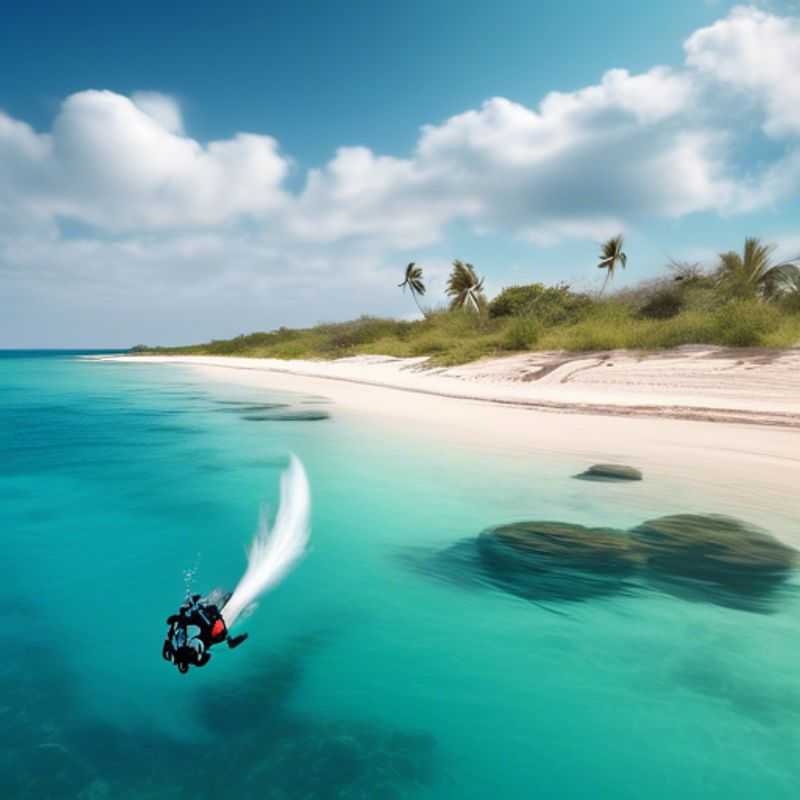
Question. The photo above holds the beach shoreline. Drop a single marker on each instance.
(701, 384)
(750, 467)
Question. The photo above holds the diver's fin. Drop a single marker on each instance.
(235, 641)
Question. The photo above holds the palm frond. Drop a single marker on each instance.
(753, 273)
(464, 287)
(610, 255)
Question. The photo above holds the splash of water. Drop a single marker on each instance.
(273, 553)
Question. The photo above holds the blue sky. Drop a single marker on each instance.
(134, 208)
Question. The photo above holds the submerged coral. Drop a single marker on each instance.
(558, 560)
(537, 561)
(715, 558)
(708, 557)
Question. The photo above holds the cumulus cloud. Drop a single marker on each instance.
(632, 146)
(124, 166)
(567, 167)
(757, 54)
(173, 211)
(162, 108)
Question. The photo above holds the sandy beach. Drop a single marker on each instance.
(698, 417)
(693, 383)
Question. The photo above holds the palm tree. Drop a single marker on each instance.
(753, 273)
(610, 255)
(465, 288)
(414, 282)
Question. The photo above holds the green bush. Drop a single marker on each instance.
(745, 323)
(549, 304)
(663, 304)
(346, 335)
(789, 302)
(516, 300)
(700, 298)
(522, 334)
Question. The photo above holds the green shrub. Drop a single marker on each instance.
(789, 302)
(516, 300)
(346, 335)
(663, 304)
(549, 304)
(787, 334)
(700, 298)
(429, 344)
(745, 323)
(608, 326)
(522, 334)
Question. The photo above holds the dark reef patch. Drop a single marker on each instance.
(298, 415)
(557, 560)
(715, 558)
(610, 473)
(704, 557)
(235, 407)
(538, 561)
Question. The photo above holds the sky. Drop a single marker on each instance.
(175, 172)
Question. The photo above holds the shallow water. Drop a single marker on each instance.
(365, 676)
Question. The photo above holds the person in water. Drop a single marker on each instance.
(193, 630)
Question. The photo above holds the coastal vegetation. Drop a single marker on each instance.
(743, 300)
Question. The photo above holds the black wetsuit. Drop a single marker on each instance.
(185, 648)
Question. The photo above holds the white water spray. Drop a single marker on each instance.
(273, 553)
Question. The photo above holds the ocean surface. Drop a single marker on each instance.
(387, 665)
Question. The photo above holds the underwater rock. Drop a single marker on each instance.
(298, 415)
(557, 560)
(610, 472)
(716, 558)
(236, 407)
(564, 543)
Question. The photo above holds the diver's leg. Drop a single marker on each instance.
(167, 651)
(235, 641)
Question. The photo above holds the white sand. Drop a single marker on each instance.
(690, 383)
(696, 417)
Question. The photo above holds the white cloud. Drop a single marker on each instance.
(758, 54)
(169, 213)
(628, 148)
(162, 108)
(110, 164)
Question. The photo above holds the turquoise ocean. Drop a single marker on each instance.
(383, 666)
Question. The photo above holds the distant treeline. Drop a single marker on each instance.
(745, 300)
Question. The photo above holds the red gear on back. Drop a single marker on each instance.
(218, 629)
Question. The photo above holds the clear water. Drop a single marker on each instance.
(364, 676)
